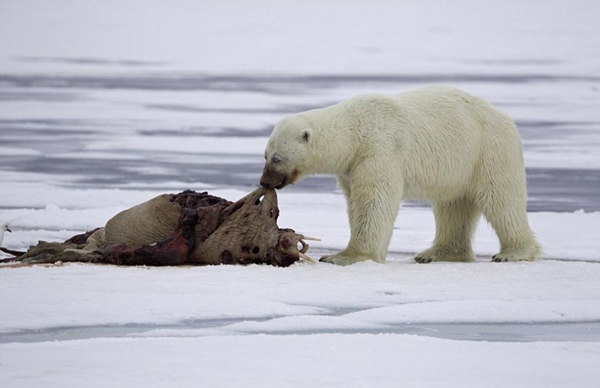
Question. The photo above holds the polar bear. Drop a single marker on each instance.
(435, 143)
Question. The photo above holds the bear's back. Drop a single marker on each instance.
(445, 137)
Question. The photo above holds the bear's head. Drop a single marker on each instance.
(287, 151)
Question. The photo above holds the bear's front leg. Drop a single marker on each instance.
(373, 201)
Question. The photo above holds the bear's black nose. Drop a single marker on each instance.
(265, 184)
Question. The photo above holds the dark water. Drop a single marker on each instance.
(489, 331)
(559, 190)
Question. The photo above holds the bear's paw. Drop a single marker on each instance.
(513, 256)
(444, 254)
(342, 258)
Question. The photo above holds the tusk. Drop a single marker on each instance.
(304, 246)
(310, 238)
(307, 258)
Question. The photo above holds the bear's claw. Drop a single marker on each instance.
(423, 260)
(506, 257)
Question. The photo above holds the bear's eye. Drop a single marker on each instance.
(276, 158)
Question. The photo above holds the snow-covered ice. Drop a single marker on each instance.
(334, 360)
(104, 105)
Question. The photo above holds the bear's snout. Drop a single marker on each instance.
(273, 179)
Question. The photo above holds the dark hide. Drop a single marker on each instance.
(188, 228)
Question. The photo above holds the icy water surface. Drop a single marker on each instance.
(490, 331)
(51, 130)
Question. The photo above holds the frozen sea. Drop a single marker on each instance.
(106, 104)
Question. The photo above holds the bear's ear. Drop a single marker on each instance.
(306, 135)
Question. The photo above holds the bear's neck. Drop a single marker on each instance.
(336, 137)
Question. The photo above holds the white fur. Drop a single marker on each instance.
(434, 143)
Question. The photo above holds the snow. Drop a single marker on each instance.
(302, 326)
(398, 292)
(238, 36)
(104, 105)
(332, 360)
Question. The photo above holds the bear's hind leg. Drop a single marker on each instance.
(455, 223)
(508, 216)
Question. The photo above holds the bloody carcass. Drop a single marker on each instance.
(188, 228)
